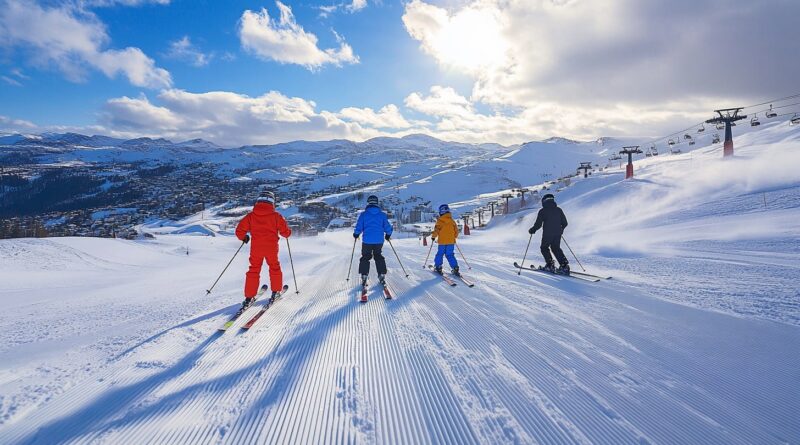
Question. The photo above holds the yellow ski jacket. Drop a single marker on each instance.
(446, 229)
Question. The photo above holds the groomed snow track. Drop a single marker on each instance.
(517, 359)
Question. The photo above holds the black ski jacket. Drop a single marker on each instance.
(552, 218)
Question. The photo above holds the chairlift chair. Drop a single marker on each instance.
(771, 113)
(701, 129)
(671, 142)
(716, 139)
(754, 122)
(720, 126)
(687, 136)
(691, 141)
(795, 120)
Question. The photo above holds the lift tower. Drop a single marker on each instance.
(727, 116)
(585, 166)
(630, 151)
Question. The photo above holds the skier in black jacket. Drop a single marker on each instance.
(552, 218)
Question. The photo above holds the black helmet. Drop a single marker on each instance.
(548, 197)
(266, 196)
(372, 200)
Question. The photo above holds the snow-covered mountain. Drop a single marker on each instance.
(696, 339)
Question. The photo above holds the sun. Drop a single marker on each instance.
(471, 40)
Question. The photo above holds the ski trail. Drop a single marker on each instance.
(516, 359)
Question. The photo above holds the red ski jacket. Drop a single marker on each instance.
(264, 225)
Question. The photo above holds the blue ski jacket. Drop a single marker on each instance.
(373, 223)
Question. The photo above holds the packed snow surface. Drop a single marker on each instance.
(696, 339)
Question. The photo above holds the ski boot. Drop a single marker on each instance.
(382, 279)
(364, 280)
(438, 269)
(273, 297)
(563, 270)
(456, 272)
(549, 267)
(245, 305)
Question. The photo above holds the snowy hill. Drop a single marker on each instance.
(696, 339)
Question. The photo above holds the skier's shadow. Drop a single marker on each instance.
(186, 323)
(97, 416)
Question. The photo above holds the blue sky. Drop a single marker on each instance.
(479, 71)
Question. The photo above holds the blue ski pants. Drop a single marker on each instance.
(446, 250)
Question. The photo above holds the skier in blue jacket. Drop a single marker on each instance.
(374, 224)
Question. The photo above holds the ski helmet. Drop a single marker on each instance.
(266, 196)
(548, 197)
(372, 200)
(444, 208)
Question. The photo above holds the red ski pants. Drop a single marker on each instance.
(257, 258)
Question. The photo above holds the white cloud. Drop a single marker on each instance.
(619, 65)
(442, 102)
(183, 49)
(72, 40)
(387, 117)
(236, 119)
(11, 81)
(285, 41)
(12, 125)
(357, 5)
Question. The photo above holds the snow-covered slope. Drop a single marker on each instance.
(696, 339)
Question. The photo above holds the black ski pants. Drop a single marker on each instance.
(553, 243)
(367, 252)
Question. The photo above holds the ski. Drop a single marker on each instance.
(264, 308)
(241, 311)
(466, 281)
(443, 276)
(577, 277)
(589, 275)
(386, 293)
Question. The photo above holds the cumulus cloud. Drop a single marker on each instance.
(387, 117)
(73, 41)
(183, 49)
(285, 41)
(99, 3)
(624, 64)
(236, 119)
(13, 125)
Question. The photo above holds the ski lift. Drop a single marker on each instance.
(771, 113)
(687, 136)
(701, 129)
(795, 120)
(691, 141)
(671, 142)
(754, 122)
(716, 139)
(720, 126)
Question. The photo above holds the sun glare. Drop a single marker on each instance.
(472, 40)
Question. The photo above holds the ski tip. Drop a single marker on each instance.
(285, 287)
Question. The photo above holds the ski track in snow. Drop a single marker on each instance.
(517, 359)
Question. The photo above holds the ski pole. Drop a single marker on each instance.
(573, 253)
(429, 255)
(289, 247)
(398, 258)
(208, 291)
(463, 257)
(349, 269)
(519, 272)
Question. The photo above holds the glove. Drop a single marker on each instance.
(433, 239)
(356, 235)
(531, 231)
(246, 239)
(387, 237)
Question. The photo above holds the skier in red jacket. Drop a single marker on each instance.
(264, 224)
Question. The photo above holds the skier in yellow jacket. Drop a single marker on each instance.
(446, 231)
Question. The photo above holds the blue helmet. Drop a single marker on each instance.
(444, 208)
